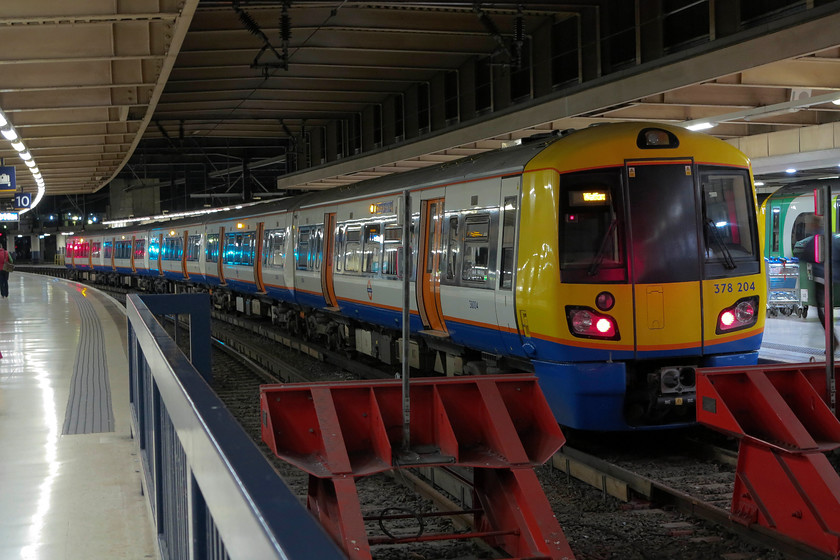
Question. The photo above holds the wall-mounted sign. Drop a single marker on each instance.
(8, 216)
(7, 178)
(23, 200)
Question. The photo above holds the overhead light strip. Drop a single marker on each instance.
(9, 133)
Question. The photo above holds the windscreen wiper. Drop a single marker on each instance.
(728, 261)
(595, 265)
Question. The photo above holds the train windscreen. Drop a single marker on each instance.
(591, 227)
(728, 217)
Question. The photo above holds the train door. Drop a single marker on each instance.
(508, 217)
(113, 252)
(428, 267)
(665, 264)
(327, 286)
(184, 250)
(159, 255)
(220, 261)
(258, 258)
(133, 246)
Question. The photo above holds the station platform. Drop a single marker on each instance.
(70, 475)
(794, 340)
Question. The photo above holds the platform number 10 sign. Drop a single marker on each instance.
(23, 200)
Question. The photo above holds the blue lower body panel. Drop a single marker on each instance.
(588, 396)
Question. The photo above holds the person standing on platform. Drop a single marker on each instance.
(5, 256)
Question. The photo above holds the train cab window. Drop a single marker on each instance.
(193, 247)
(274, 248)
(476, 248)
(803, 227)
(392, 252)
(139, 249)
(107, 249)
(730, 242)
(96, 250)
(591, 246)
(353, 250)
(211, 250)
(372, 248)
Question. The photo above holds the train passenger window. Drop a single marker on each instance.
(775, 232)
(316, 248)
(211, 251)
(96, 249)
(274, 248)
(83, 250)
(154, 248)
(303, 248)
(353, 250)
(231, 249)
(591, 247)
(476, 248)
(393, 249)
(452, 247)
(107, 249)
(372, 248)
(193, 247)
(247, 248)
(730, 242)
(139, 249)
(507, 264)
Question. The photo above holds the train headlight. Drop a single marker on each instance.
(585, 322)
(581, 321)
(741, 315)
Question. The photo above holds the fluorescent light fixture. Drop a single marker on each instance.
(18, 146)
(30, 163)
(9, 133)
(3, 121)
(790, 170)
(25, 155)
(836, 101)
(759, 183)
(705, 125)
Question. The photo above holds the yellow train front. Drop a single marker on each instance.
(653, 269)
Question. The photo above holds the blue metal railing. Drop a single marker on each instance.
(212, 492)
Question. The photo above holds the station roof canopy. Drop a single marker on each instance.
(314, 94)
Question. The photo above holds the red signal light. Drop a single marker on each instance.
(603, 325)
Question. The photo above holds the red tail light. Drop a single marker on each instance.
(741, 315)
(585, 322)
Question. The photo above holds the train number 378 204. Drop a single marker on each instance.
(729, 287)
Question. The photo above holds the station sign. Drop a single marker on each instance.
(22, 200)
(9, 216)
(7, 178)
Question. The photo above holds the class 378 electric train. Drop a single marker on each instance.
(611, 261)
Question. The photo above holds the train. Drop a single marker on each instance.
(610, 261)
